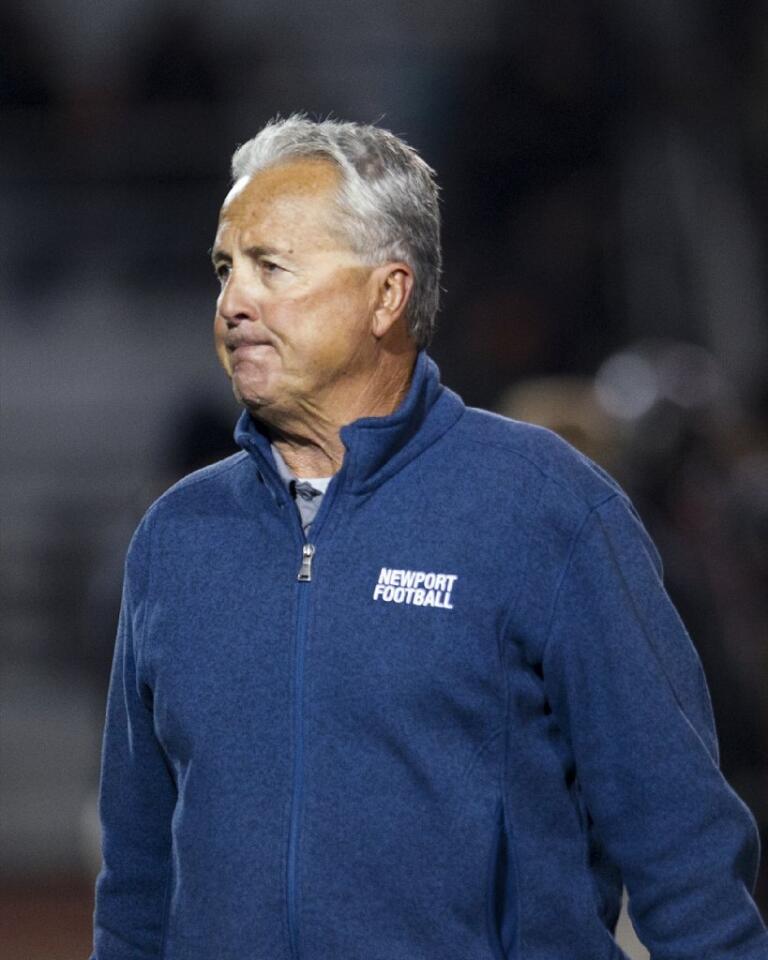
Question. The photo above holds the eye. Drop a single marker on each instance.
(222, 271)
(269, 266)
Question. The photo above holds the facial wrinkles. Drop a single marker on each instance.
(309, 284)
(275, 202)
(302, 246)
(288, 212)
(293, 230)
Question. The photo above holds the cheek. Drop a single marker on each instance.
(320, 328)
(335, 319)
(219, 331)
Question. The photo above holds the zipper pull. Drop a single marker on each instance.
(305, 572)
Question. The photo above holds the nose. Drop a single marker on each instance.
(235, 304)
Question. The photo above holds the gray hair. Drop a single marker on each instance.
(388, 199)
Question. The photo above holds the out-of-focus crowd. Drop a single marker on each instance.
(606, 244)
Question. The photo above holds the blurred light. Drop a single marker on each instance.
(689, 375)
(626, 386)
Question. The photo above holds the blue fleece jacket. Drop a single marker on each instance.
(447, 729)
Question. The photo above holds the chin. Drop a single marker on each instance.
(262, 404)
(253, 392)
(251, 399)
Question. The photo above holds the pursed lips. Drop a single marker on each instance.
(247, 347)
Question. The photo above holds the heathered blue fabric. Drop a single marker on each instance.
(301, 770)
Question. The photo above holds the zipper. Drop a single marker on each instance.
(303, 587)
(304, 577)
(305, 571)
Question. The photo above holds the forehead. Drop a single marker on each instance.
(292, 192)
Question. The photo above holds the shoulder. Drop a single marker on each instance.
(513, 448)
(221, 475)
(194, 490)
(211, 487)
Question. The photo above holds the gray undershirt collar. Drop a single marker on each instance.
(307, 493)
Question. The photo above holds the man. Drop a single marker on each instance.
(399, 681)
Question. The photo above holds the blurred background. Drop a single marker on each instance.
(606, 250)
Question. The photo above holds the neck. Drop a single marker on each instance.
(309, 439)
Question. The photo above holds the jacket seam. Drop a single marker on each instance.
(653, 646)
(514, 602)
(492, 932)
(519, 941)
(511, 852)
(552, 477)
(139, 659)
(631, 600)
(149, 567)
(582, 814)
(166, 907)
(511, 834)
(566, 568)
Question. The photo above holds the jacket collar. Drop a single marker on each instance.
(376, 447)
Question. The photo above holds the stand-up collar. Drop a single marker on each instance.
(377, 447)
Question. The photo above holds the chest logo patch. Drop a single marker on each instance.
(416, 587)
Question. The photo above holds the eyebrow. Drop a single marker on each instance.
(255, 252)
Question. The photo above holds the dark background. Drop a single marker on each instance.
(605, 221)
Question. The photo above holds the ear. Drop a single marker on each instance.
(394, 286)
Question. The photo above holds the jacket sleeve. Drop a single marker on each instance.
(626, 686)
(137, 796)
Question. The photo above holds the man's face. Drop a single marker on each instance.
(293, 316)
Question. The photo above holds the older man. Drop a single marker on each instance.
(399, 681)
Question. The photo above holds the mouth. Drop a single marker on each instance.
(248, 347)
(248, 352)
